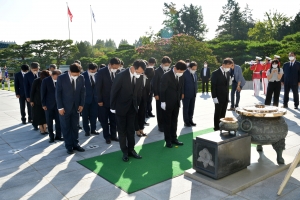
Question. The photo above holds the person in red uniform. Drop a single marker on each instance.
(256, 68)
(264, 78)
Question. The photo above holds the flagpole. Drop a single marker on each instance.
(92, 25)
(68, 19)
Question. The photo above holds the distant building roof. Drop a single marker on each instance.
(5, 44)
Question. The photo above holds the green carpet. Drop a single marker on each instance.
(158, 164)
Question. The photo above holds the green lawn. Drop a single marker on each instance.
(12, 86)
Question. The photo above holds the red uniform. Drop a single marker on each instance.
(256, 68)
(264, 69)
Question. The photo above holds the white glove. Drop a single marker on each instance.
(215, 100)
(113, 111)
(163, 105)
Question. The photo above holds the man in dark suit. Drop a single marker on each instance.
(171, 92)
(190, 92)
(28, 80)
(104, 80)
(149, 72)
(90, 109)
(220, 90)
(205, 77)
(164, 67)
(49, 105)
(70, 96)
(20, 93)
(291, 80)
(125, 96)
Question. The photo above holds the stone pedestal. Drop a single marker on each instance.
(218, 155)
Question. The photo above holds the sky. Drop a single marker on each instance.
(24, 20)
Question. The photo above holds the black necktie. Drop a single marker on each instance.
(92, 81)
(54, 84)
(193, 77)
(224, 74)
(35, 76)
(132, 83)
(73, 84)
(112, 76)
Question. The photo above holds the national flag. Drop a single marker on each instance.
(70, 14)
(93, 15)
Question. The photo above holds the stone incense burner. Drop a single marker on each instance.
(266, 126)
(229, 124)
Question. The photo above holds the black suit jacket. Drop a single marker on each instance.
(19, 84)
(207, 73)
(122, 96)
(28, 80)
(171, 90)
(291, 74)
(103, 86)
(156, 81)
(220, 85)
(35, 93)
(48, 93)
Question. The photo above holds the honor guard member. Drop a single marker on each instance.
(264, 77)
(256, 68)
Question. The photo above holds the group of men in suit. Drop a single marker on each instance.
(117, 93)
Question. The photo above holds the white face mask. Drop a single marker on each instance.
(92, 73)
(179, 74)
(113, 70)
(136, 75)
(291, 58)
(226, 69)
(150, 66)
(187, 64)
(34, 72)
(24, 72)
(74, 77)
(205, 65)
(274, 66)
(166, 67)
(120, 67)
(192, 71)
(54, 81)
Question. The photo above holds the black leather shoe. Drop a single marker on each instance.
(95, 133)
(80, 149)
(193, 124)
(125, 157)
(79, 127)
(134, 154)
(147, 116)
(60, 139)
(108, 141)
(23, 122)
(51, 141)
(177, 142)
(285, 106)
(87, 134)
(115, 139)
(151, 115)
(169, 145)
(296, 107)
(46, 133)
(70, 151)
(146, 124)
(187, 125)
(160, 129)
(35, 128)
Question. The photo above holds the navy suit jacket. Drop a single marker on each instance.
(65, 96)
(19, 84)
(291, 75)
(28, 80)
(90, 92)
(190, 86)
(103, 86)
(48, 93)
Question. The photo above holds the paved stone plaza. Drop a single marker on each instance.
(40, 170)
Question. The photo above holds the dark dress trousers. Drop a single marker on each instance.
(90, 109)
(205, 79)
(150, 72)
(125, 98)
(220, 90)
(171, 91)
(104, 83)
(190, 92)
(48, 100)
(156, 90)
(39, 116)
(141, 115)
(20, 90)
(291, 78)
(70, 99)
